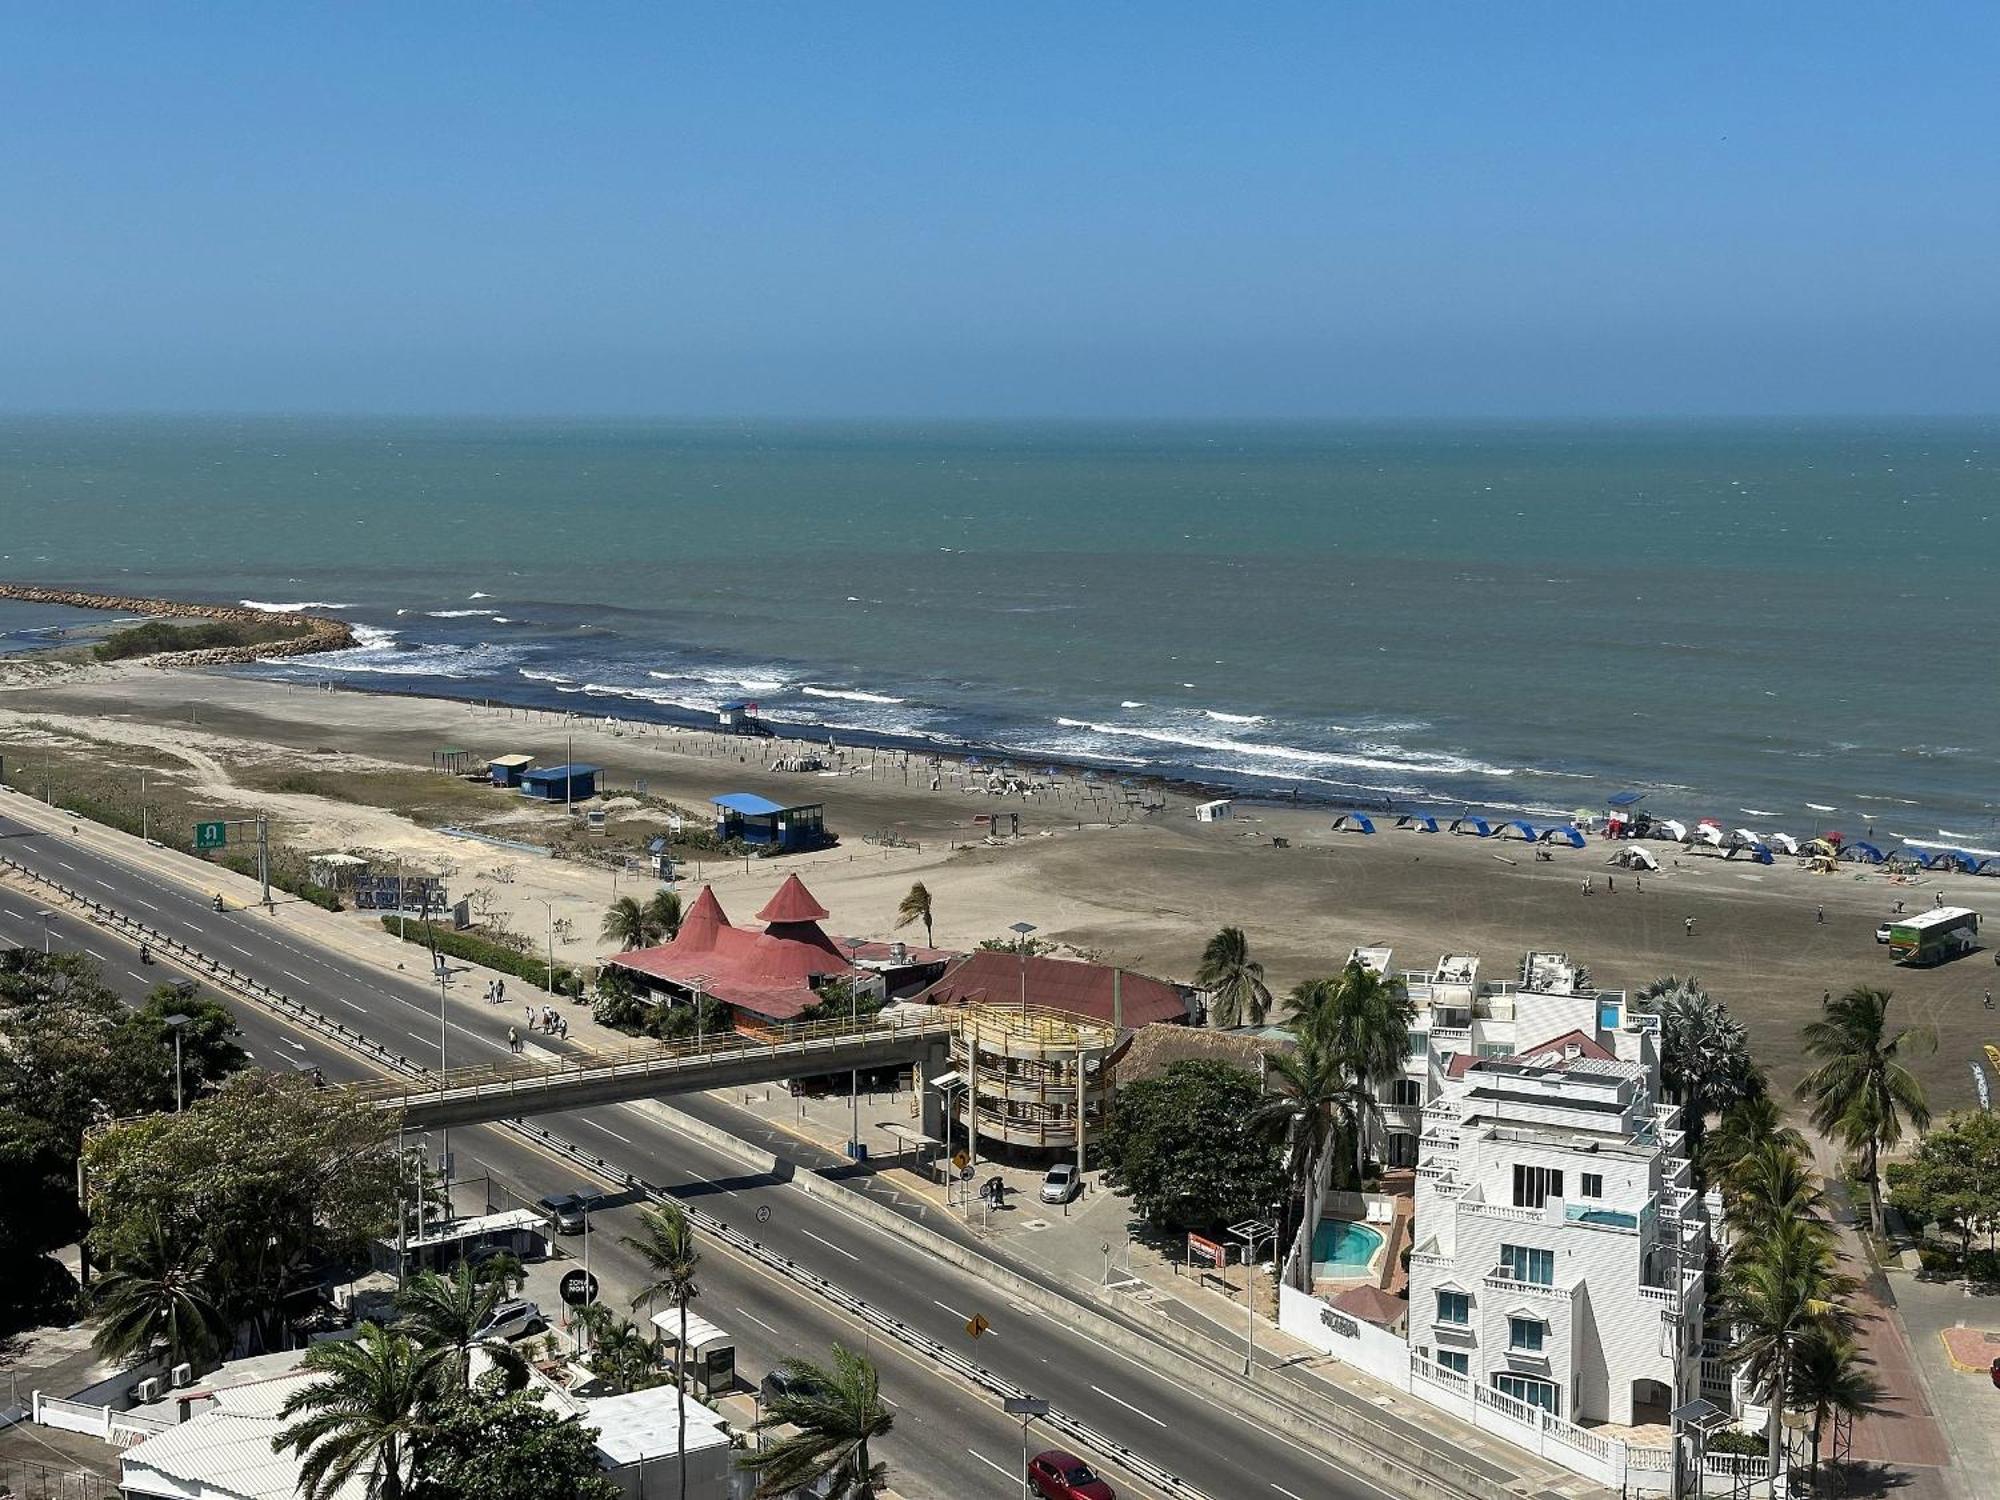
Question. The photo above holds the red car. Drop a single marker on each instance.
(1057, 1475)
(1994, 1371)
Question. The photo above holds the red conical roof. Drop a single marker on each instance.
(793, 903)
(699, 924)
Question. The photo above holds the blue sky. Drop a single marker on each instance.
(1095, 210)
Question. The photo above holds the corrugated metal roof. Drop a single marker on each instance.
(226, 1453)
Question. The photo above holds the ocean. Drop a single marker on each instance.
(1757, 622)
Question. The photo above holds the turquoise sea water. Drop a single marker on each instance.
(1742, 620)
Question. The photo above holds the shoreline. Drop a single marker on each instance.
(1142, 888)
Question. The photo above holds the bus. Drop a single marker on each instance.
(1934, 936)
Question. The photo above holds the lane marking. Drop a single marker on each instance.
(67, 865)
(609, 1131)
(140, 977)
(95, 954)
(831, 1246)
(301, 979)
(1008, 1474)
(991, 1331)
(145, 903)
(244, 951)
(1128, 1406)
(744, 1312)
(290, 1043)
(1283, 1491)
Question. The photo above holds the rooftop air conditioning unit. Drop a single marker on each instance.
(147, 1390)
(183, 1375)
(899, 953)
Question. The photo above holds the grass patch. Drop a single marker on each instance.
(486, 951)
(424, 797)
(157, 636)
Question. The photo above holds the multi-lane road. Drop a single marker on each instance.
(947, 1437)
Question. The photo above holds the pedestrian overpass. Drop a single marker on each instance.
(520, 1088)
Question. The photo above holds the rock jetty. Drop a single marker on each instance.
(316, 632)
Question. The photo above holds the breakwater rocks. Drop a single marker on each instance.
(316, 632)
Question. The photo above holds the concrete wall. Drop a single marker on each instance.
(1375, 1351)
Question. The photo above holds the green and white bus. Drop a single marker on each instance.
(1934, 936)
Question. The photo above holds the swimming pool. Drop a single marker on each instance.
(1344, 1248)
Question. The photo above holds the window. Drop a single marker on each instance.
(1455, 1359)
(1454, 1307)
(1537, 1393)
(1419, 1042)
(1406, 1091)
(1593, 1184)
(1526, 1334)
(1534, 1186)
(1523, 1263)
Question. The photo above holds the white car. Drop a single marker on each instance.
(512, 1320)
(1062, 1184)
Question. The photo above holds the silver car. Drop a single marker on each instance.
(1062, 1184)
(512, 1320)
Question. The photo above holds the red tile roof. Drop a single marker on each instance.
(1556, 1049)
(793, 903)
(1372, 1305)
(768, 973)
(992, 976)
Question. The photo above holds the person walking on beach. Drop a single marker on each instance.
(1819, 915)
(513, 1040)
(499, 989)
(531, 1016)
(1687, 925)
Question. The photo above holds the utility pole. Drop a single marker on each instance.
(1027, 1408)
(175, 1023)
(550, 904)
(264, 857)
(145, 830)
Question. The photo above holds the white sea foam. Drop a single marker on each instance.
(1428, 762)
(852, 695)
(534, 676)
(1131, 703)
(456, 614)
(377, 652)
(1759, 812)
(479, 594)
(1222, 718)
(290, 609)
(751, 681)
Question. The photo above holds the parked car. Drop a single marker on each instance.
(1057, 1475)
(512, 1320)
(1994, 1372)
(567, 1211)
(1062, 1183)
(781, 1382)
(1882, 933)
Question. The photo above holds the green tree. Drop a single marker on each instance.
(502, 1268)
(835, 1411)
(64, 1057)
(916, 907)
(497, 1445)
(373, 1404)
(1744, 1127)
(1779, 1293)
(621, 1352)
(269, 1173)
(1234, 981)
(663, 911)
(1828, 1381)
(667, 1246)
(1184, 1146)
(1952, 1179)
(1705, 1061)
(448, 1314)
(1361, 1019)
(208, 1052)
(1862, 1092)
(628, 924)
(158, 1295)
(38, 1187)
(1314, 1102)
(1771, 1185)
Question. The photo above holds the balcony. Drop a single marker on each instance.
(1500, 1279)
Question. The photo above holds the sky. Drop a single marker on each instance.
(1023, 210)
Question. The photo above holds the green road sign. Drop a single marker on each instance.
(211, 835)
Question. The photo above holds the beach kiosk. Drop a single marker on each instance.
(565, 783)
(711, 1353)
(507, 770)
(1214, 812)
(767, 824)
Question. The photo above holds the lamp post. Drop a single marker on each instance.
(700, 983)
(1021, 931)
(1248, 1233)
(854, 1077)
(175, 1023)
(48, 921)
(1027, 1408)
(551, 905)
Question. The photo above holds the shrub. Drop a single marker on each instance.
(156, 636)
(1735, 1440)
(474, 948)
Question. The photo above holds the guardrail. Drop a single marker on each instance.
(1164, 1480)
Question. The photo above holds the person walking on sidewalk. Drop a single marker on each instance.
(513, 1040)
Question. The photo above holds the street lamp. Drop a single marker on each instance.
(175, 1023)
(48, 921)
(854, 1077)
(699, 983)
(1248, 1233)
(1021, 931)
(551, 905)
(1027, 1408)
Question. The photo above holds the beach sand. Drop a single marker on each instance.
(1146, 892)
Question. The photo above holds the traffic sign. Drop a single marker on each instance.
(976, 1325)
(578, 1288)
(211, 835)
(959, 1159)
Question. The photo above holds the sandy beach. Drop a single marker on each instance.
(1145, 889)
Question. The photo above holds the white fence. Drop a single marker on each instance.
(1350, 1340)
(107, 1424)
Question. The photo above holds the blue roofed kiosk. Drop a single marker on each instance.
(759, 820)
(569, 783)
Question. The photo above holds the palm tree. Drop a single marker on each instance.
(835, 1410)
(504, 1269)
(160, 1295)
(447, 1314)
(1234, 981)
(663, 911)
(1779, 1293)
(1828, 1382)
(1861, 1092)
(1705, 1059)
(671, 1256)
(629, 924)
(1745, 1126)
(373, 1402)
(1362, 1016)
(916, 907)
(623, 1353)
(1768, 1186)
(1316, 1100)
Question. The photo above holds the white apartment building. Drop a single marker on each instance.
(1559, 1249)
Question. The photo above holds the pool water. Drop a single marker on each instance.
(1342, 1246)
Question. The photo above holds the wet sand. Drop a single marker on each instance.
(1148, 891)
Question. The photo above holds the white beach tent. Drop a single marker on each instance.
(1673, 829)
(1748, 836)
(1708, 833)
(1784, 843)
(1633, 857)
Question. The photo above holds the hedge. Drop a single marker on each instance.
(485, 952)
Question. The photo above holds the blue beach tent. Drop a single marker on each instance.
(1568, 834)
(1420, 822)
(1469, 824)
(1354, 822)
(1864, 851)
(1527, 829)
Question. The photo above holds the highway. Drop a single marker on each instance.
(958, 1437)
